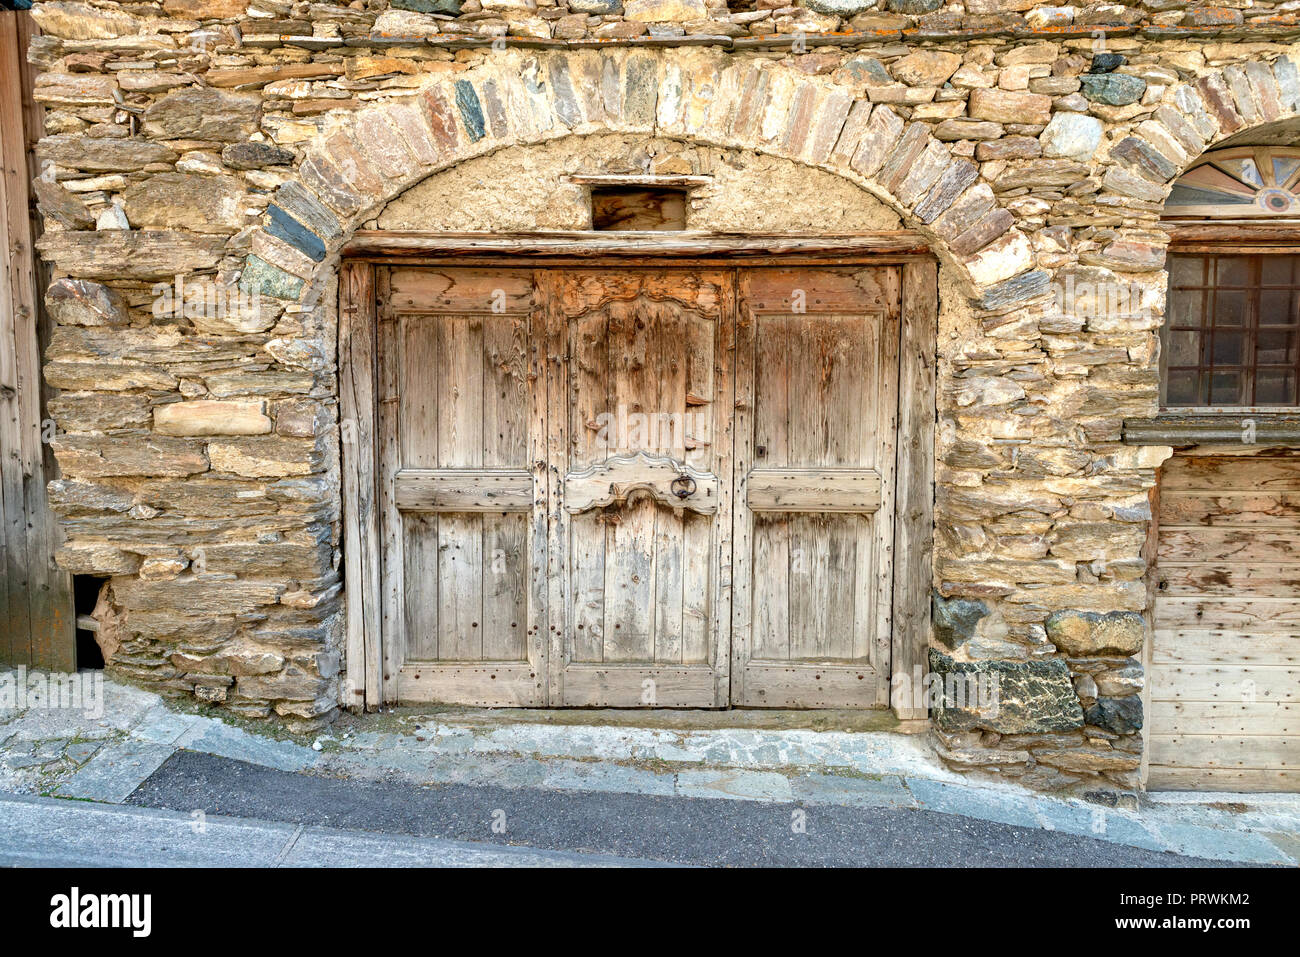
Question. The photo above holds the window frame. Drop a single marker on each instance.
(1250, 328)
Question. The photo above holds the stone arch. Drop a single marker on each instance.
(375, 154)
(1198, 116)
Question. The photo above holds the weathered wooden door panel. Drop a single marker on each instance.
(817, 399)
(579, 467)
(641, 452)
(462, 428)
(1223, 678)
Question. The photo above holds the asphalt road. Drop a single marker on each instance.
(678, 830)
(58, 833)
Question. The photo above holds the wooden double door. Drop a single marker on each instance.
(638, 487)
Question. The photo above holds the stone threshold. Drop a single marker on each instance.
(678, 719)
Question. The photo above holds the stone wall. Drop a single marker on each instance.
(239, 144)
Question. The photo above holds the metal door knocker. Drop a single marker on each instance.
(683, 486)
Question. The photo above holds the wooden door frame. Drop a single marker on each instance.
(370, 676)
(37, 608)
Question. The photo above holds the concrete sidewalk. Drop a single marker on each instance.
(66, 753)
(47, 832)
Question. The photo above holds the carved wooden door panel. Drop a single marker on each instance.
(640, 492)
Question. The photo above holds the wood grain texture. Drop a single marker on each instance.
(584, 473)
(1224, 662)
(817, 399)
(913, 557)
(814, 490)
(644, 484)
(361, 519)
(37, 621)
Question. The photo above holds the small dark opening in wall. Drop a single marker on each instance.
(627, 208)
(85, 595)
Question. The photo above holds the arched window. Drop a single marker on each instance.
(1232, 335)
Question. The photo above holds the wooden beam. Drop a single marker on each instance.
(361, 554)
(463, 490)
(1209, 236)
(650, 244)
(38, 608)
(648, 181)
(914, 525)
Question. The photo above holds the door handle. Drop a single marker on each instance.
(683, 486)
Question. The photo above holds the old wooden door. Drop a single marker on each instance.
(462, 440)
(642, 487)
(641, 450)
(817, 404)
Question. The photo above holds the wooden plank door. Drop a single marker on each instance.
(463, 482)
(1224, 674)
(640, 447)
(816, 417)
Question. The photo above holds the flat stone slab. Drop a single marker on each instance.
(735, 784)
(1090, 820)
(967, 801)
(1194, 840)
(844, 791)
(610, 778)
(214, 737)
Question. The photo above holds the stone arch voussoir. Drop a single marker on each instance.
(1197, 116)
(378, 153)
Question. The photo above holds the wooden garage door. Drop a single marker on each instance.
(1225, 669)
(580, 468)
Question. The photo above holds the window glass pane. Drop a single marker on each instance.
(1275, 387)
(1182, 388)
(1276, 307)
(1284, 167)
(1231, 271)
(1276, 348)
(1229, 348)
(1277, 270)
(1186, 271)
(1229, 308)
(1184, 348)
(1225, 388)
(1186, 307)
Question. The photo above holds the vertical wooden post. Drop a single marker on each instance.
(37, 621)
(914, 529)
(362, 687)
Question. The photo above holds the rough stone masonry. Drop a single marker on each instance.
(238, 143)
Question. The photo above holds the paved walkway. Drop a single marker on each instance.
(65, 753)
